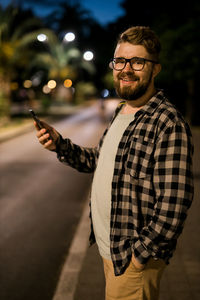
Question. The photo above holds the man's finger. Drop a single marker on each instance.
(43, 138)
(36, 126)
(41, 132)
(47, 144)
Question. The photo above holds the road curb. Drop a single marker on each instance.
(67, 283)
(9, 134)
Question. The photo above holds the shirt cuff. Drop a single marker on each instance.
(140, 252)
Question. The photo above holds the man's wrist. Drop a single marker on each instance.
(57, 144)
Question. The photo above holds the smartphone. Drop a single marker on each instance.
(39, 123)
(37, 120)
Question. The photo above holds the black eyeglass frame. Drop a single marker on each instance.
(128, 60)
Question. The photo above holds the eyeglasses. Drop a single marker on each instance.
(136, 63)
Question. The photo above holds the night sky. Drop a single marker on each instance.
(104, 11)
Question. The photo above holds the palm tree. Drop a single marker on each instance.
(63, 61)
(18, 30)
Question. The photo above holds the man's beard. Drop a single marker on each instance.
(128, 92)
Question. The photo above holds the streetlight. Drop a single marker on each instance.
(69, 37)
(42, 37)
(88, 55)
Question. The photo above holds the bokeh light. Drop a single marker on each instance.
(88, 55)
(42, 37)
(68, 83)
(46, 89)
(27, 84)
(69, 37)
(105, 93)
(51, 84)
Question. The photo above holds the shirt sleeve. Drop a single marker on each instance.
(81, 158)
(173, 186)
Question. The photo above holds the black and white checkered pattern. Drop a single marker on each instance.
(152, 186)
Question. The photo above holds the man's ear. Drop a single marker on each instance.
(156, 69)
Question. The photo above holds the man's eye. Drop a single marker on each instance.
(119, 61)
(137, 61)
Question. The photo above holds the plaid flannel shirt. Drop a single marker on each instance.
(152, 186)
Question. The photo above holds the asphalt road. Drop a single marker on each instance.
(41, 201)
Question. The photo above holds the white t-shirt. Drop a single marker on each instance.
(102, 181)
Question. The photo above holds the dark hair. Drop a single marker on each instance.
(142, 35)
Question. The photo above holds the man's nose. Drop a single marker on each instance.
(128, 67)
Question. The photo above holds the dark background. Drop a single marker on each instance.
(176, 23)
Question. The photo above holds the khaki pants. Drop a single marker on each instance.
(134, 284)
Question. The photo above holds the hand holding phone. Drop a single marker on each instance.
(51, 140)
(39, 124)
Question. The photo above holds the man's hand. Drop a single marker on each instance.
(47, 136)
(136, 263)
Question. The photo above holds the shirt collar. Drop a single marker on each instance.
(152, 104)
(149, 107)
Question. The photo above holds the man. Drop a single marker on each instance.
(142, 185)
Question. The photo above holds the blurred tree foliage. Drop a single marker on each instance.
(62, 61)
(90, 35)
(18, 30)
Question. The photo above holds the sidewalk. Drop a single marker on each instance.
(181, 280)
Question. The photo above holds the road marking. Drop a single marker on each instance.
(66, 286)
